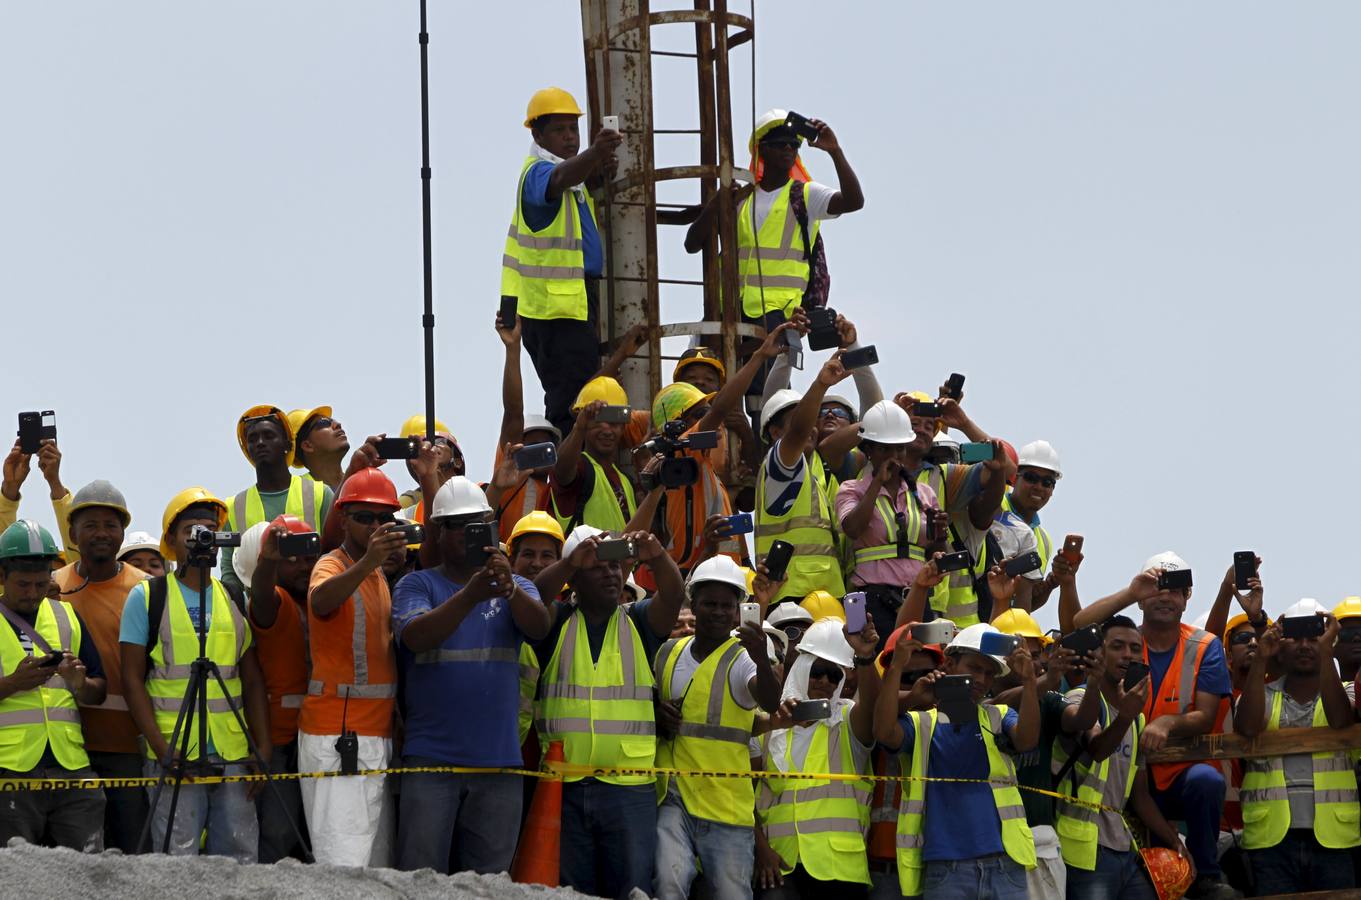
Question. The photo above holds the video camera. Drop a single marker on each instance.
(203, 542)
(677, 471)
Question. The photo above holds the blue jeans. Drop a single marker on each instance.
(223, 809)
(609, 837)
(477, 815)
(1117, 876)
(727, 853)
(1299, 864)
(1196, 798)
(996, 877)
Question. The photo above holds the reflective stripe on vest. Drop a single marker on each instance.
(44, 716)
(713, 735)
(1017, 840)
(1077, 825)
(546, 269)
(771, 262)
(360, 689)
(912, 517)
(600, 709)
(1266, 803)
(810, 526)
(304, 501)
(1177, 692)
(799, 816)
(175, 650)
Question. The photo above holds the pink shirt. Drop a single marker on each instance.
(900, 572)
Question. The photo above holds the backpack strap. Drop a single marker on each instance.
(796, 201)
(237, 596)
(155, 608)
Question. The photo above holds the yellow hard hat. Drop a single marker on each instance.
(699, 356)
(1020, 623)
(674, 401)
(263, 410)
(1242, 618)
(538, 522)
(751, 580)
(923, 397)
(551, 101)
(822, 605)
(415, 427)
(1349, 608)
(182, 501)
(601, 387)
(298, 418)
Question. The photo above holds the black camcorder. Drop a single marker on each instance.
(201, 537)
(677, 471)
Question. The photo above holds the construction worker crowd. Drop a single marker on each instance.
(830, 586)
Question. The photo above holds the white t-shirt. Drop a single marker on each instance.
(739, 676)
(819, 196)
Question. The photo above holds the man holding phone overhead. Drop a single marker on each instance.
(459, 627)
(587, 488)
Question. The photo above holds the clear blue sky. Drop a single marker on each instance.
(1134, 228)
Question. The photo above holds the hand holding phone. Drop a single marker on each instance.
(1072, 548)
(1303, 628)
(1026, 562)
(619, 549)
(751, 614)
(610, 123)
(399, 448)
(1174, 580)
(954, 387)
(811, 710)
(854, 606)
(614, 415)
(995, 643)
(536, 456)
(1135, 673)
(1244, 567)
(1082, 641)
(859, 358)
(977, 451)
(953, 562)
(477, 537)
(777, 560)
(740, 523)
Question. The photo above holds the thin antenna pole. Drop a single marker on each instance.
(428, 319)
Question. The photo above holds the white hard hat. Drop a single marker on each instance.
(771, 118)
(720, 569)
(579, 534)
(635, 589)
(1166, 560)
(971, 638)
(1306, 607)
(778, 403)
(248, 554)
(1040, 455)
(781, 613)
(945, 440)
(539, 423)
(138, 540)
(887, 423)
(826, 640)
(773, 633)
(837, 398)
(459, 496)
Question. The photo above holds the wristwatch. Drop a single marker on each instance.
(863, 661)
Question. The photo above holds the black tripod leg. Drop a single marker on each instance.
(197, 685)
(270, 780)
(182, 724)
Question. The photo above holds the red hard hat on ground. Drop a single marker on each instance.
(1171, 874)
(292, 524)
(368, 486)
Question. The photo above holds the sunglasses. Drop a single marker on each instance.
(836, 411)
(1349, 635)
(793, 632)
(786, 143)
(830, 673)
(1044, 480)
(1247, 637)
(364, 517)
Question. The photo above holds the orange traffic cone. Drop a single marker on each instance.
(537, 856)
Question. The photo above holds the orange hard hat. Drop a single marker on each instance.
(292, 524)
(1010, 451)
(1170, 872)
(368, 486)
(886, 655)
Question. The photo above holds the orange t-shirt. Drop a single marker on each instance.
(332, 641)
(108, 727)
(530, 494)
(282, 650)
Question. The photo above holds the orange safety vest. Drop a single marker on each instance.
(1177, 694)
(883, 842)
(530, 495)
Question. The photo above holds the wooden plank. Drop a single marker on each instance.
(1269, 743)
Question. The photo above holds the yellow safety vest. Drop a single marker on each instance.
(529, 684)
(1017, 840)
(772, 263)
(546, 269)
(601, 509)
(177, 647)
(811, 527)
(304, 501)
(601, 710)
(713, 735)
(1076, 824)
(1044, 543)
(912, 518)
(818, 824)
(47, 715)
(1266, 806)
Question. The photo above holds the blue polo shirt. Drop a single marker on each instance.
(539, 213)
(961, 820)
(462, 712)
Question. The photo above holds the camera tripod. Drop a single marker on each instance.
(193, 713)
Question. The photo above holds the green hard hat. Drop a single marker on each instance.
(27, 538)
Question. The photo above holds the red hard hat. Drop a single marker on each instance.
(1010, 451)
(292, 524)
(368, 486)
(886, 655)
(1171, 874)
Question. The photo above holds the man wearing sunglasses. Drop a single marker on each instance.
(319, 445)
(1037, 473)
